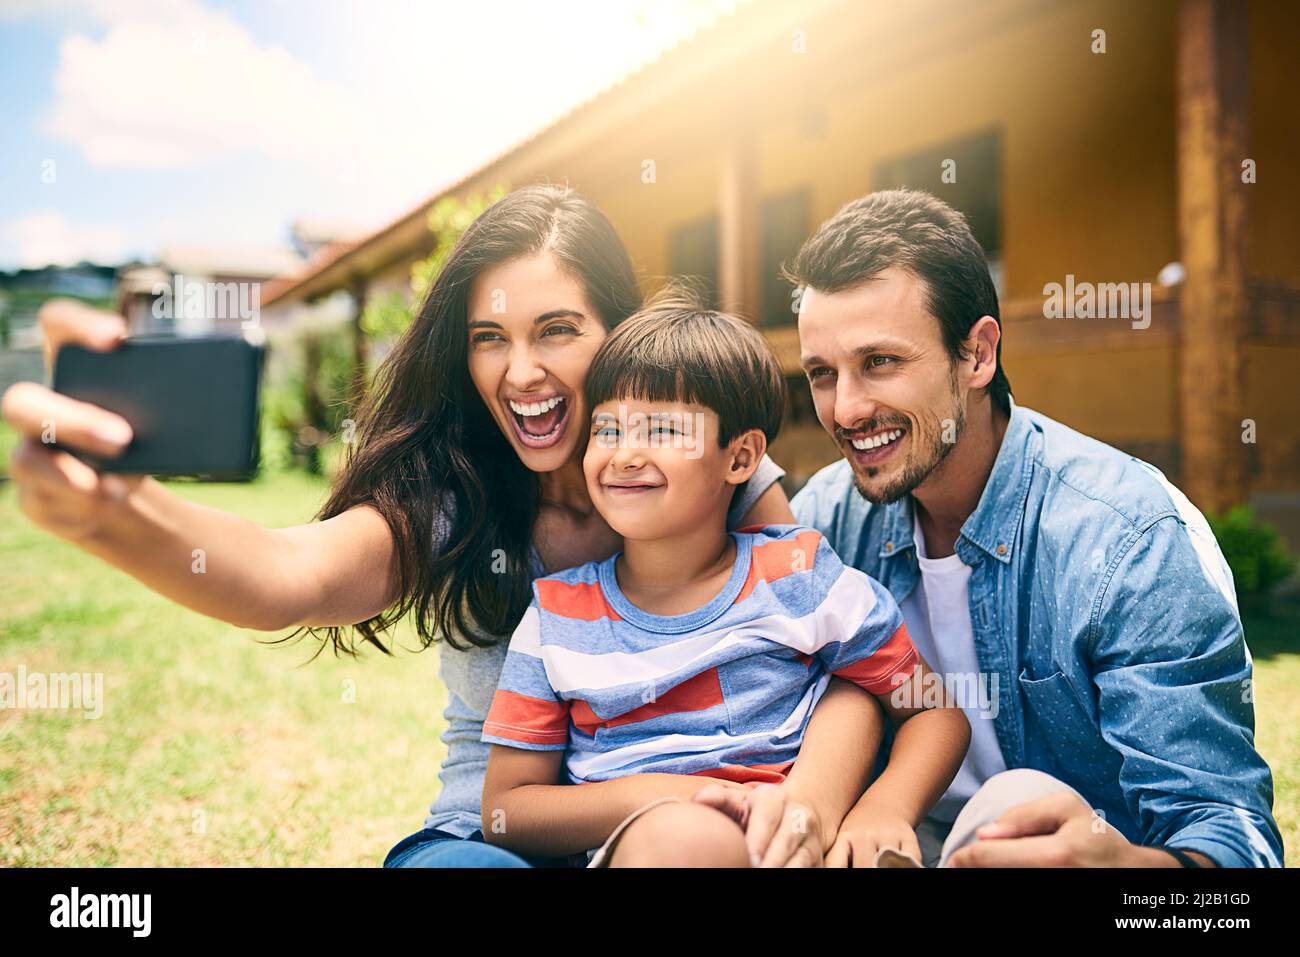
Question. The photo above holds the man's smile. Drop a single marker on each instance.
(872, 448)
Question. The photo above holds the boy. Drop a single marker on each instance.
(694, 651)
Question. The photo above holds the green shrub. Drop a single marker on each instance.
(301, 411)
(1254, 551)
(387, 317)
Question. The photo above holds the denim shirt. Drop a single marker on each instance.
(1103, 609)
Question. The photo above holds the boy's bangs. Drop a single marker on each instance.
(645, 383)
(681, 354)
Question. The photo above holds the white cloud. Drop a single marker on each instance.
(398, 98)
(47, 238)
(435, 88)
(175, 84)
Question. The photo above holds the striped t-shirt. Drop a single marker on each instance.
(725, 690)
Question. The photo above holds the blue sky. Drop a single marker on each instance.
(219, 122)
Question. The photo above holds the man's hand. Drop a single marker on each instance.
(868, 828)
(780, 831)
(1054, 831)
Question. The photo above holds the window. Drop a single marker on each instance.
(693, 255)
(976, 187)
(799, 407)
(784, 228)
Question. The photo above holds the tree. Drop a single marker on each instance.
(388, 316)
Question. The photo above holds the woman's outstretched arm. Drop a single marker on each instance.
(334, 572)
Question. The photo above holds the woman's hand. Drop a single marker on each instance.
(334, 572)
(780, 831)
(57, 491)
(867, 829)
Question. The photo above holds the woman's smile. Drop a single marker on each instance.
(540, 422)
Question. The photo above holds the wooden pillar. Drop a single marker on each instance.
(1212, 138)
(739, 283)
(360, 346)
(315, 428)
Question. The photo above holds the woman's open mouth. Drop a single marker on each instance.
(540, 425)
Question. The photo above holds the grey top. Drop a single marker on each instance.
(471, 678)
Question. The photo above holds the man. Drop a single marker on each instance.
(1075, 600)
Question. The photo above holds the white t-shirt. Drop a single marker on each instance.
(937, 614)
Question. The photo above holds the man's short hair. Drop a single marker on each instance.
(911, 230)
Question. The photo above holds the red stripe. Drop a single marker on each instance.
(775, 560)
(583, 601)
(521, 717)
(699, 693)
(749, 774)
(887, 667)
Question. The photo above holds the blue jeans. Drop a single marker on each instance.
(433, 848)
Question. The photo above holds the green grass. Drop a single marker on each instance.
(1273, 634)
(212, 749)
(216, 750)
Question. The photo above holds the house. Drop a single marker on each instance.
(1089, 142)
(200, 290)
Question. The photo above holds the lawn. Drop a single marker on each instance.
(212, 749)
(216, 750)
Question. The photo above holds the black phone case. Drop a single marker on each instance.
(192, 402)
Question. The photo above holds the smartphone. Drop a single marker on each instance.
(192, 403)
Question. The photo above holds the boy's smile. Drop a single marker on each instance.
(655, 469)
(629, 487)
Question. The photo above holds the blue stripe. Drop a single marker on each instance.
(763, 681)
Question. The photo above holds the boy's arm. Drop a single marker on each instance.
(929, 747)
(835, 761)
(525, 810)
(866, 641)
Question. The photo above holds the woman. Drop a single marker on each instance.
(465, 483)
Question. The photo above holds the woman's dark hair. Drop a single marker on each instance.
(676, 351)
(927, 237)
(428, 452)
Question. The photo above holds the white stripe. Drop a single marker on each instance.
(846, 606)
(1202, 538)
(583, 765)
(527, 639)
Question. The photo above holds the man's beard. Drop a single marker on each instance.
(923, 461)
